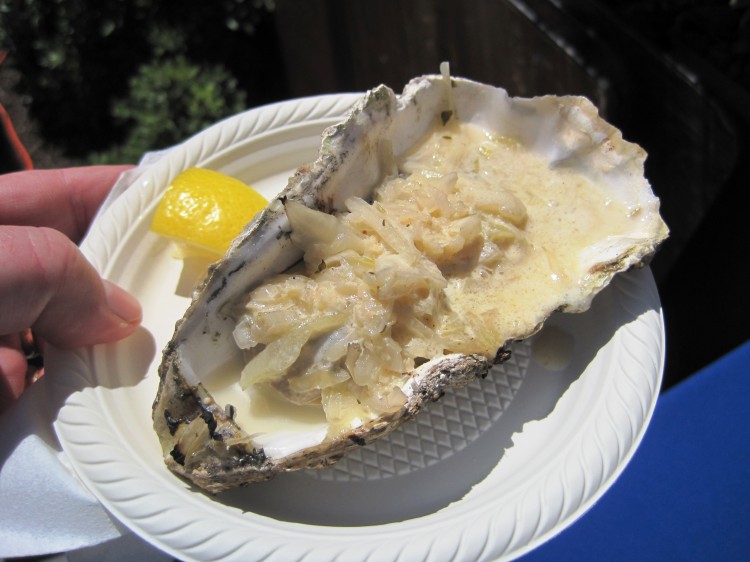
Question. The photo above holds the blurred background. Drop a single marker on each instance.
(84, 81)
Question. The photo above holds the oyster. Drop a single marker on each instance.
(435, 227)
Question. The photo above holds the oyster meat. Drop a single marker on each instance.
(435, 228)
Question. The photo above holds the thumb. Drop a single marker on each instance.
(48, 285)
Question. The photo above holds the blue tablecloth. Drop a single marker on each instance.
(686, 493)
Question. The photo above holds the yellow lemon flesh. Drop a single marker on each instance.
(203, 211)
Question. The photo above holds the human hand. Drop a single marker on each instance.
(46, 284)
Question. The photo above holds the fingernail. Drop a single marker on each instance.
(122, 303)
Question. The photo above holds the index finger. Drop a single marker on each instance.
(64, 199)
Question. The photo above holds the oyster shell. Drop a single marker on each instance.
(199, 432)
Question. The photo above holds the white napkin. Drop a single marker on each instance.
(44, 508)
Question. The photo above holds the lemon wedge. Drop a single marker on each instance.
(204, 210)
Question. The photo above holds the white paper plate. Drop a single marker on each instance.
(487, 475)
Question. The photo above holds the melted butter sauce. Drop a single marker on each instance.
(565, 211)
(263, 411)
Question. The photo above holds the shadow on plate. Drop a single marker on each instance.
(67, 372)
(73, 371)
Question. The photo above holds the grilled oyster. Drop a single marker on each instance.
(434, 228)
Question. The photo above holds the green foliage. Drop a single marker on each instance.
(168, 101)
(112, 77)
